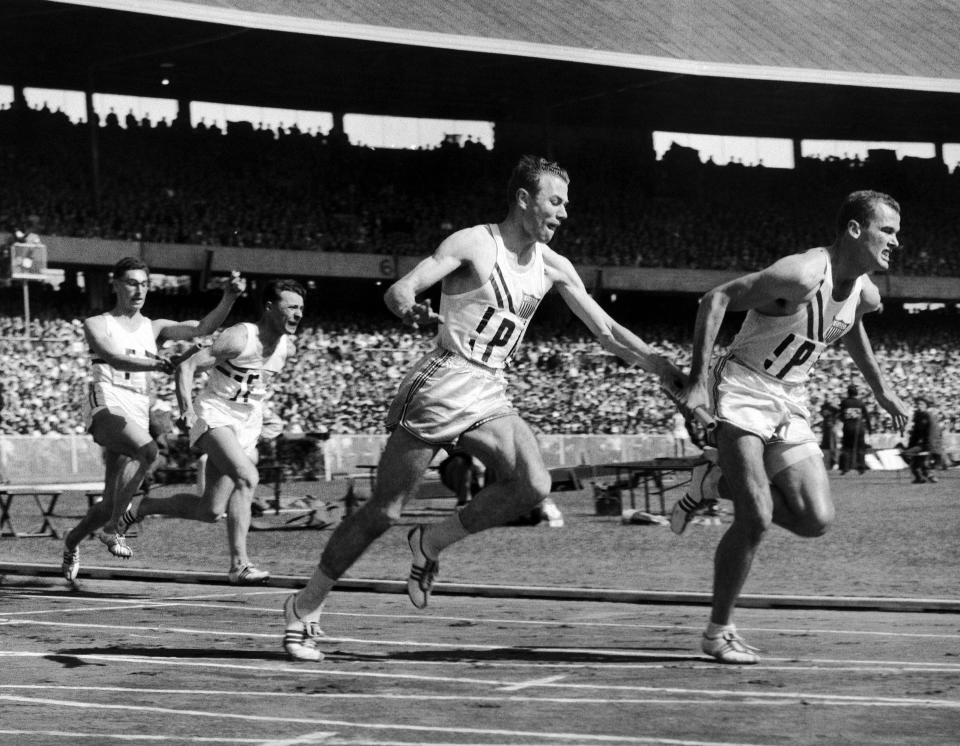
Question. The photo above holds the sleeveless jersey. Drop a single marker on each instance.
(486, 325)
(241, 378)
(139, 342)
(787, 347)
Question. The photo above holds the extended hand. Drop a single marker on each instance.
(420, 314)
(236, 286)
(896, 409)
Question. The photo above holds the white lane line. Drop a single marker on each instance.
(655, 656)
(288, 720)
(673, 700)
(530, 683)
(122, 607)
(719, 694)
(180, 601)
(306, 738)
(72, 735)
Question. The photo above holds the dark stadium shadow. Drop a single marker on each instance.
(534, 655)
(171, 652)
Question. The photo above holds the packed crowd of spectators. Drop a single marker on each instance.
(250, 187)
(348, 367)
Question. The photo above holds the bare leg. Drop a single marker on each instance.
(99, 513)
(230, 480)
(798, 501)
(129, 451)
(741, 460)
(509, 448)
(401, 468)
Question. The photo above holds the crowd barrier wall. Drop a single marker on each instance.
(67, 251)
(76, 458)
(27, 459)
(350, 454)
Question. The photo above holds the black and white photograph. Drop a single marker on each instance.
(440, 372)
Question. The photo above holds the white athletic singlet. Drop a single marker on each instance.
(139, 342)
(787, 347)
(240, 380)
(486, 325)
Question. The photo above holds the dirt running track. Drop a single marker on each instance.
(175, 663)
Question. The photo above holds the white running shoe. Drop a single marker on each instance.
(248, 575)
(71, 563)
(300, 637)
(702, 491)
(729, 647)
(116, 544)
(423, 570)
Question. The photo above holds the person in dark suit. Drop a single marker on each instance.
(856, 425)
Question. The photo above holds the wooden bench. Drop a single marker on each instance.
(44, 497)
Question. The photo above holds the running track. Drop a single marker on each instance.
(117, 660)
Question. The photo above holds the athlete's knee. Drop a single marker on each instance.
(382, 514)
(148, 454)
(247, 478)
(208, 514)
(754, 521)
(529, 486)
(816, 522)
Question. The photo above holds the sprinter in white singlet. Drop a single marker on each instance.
(770, 461)
(493, 277)
(226, 419)
(123, 348)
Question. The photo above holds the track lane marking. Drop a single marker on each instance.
(288, 720)
(180, 601)
(724, 694)
(815, 664)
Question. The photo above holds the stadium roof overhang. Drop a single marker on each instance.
(837, 69)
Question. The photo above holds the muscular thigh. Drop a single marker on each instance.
(741, 462)
(805, 488)
(119, 432)
(506, 445)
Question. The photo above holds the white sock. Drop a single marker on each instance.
(715, 630)
(308, 603)
(438, 536)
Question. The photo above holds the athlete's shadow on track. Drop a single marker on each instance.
(520, 654)
(73, 656)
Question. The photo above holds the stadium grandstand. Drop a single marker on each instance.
(648, 235)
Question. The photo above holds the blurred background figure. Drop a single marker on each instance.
(856, 425)
(828, 433)
(925, 444)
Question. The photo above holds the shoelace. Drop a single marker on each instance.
(736, 642)
(312, 632)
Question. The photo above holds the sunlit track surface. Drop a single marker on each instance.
(170, 663)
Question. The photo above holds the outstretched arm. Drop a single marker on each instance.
(106, 348)
(612, 336)
(858, 345)
(401, 296)
(164, 329)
